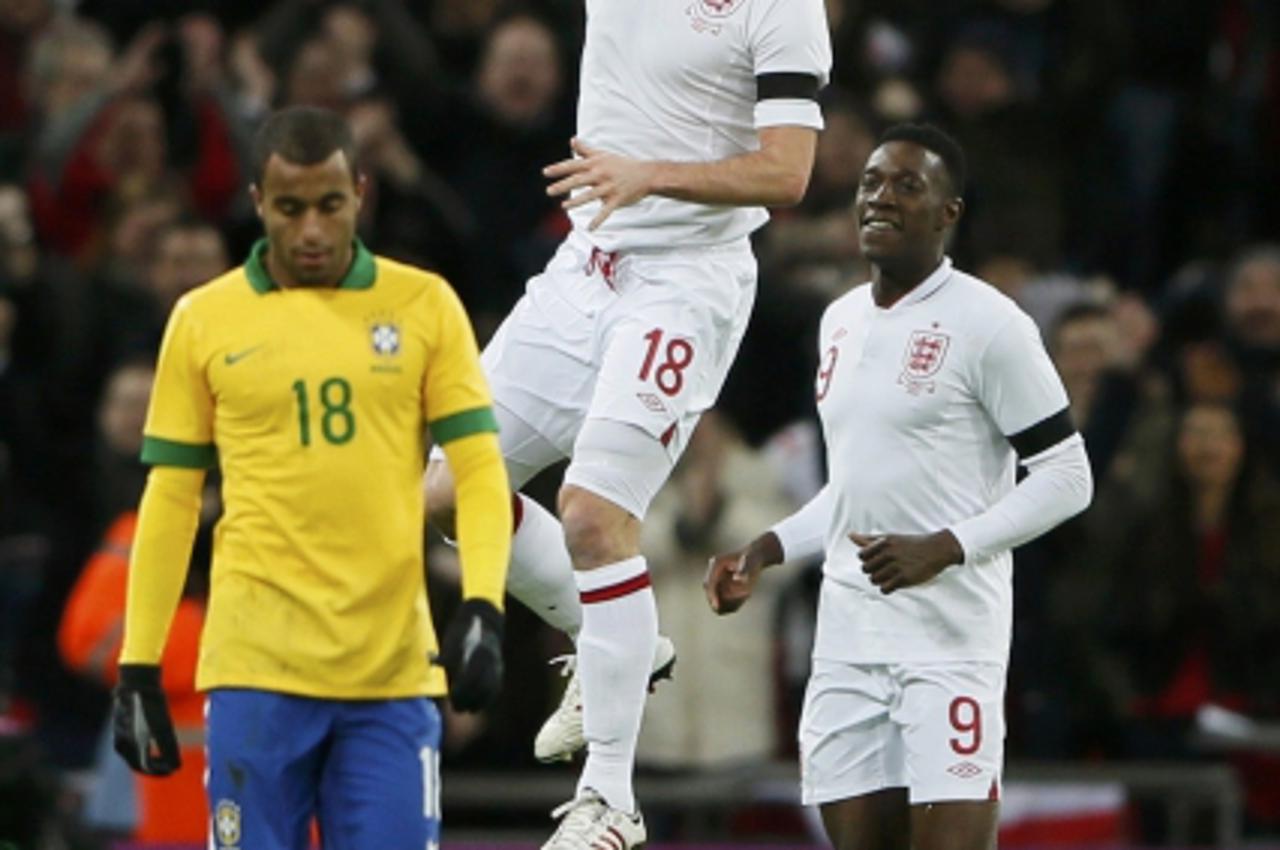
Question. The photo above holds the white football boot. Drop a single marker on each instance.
(561, 735)
(588, 823)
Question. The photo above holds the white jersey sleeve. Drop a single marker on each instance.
(1017, 384)
(791, 52)
(1058, 486)
(802, 534)
(1023, 394)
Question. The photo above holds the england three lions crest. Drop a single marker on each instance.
(708, 16)
(718, 8)
(921, 361)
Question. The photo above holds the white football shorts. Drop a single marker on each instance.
(935, 729)
(642, 338)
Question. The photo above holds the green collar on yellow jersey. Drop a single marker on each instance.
(359, 275)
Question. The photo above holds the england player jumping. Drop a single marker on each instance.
(693, 117)
(932, 388)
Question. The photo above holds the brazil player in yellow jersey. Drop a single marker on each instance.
(313, 376)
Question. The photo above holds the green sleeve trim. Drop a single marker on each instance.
(464, 424)
(160, 452)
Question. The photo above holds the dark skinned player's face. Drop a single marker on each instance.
(309, 215)
(904, 205)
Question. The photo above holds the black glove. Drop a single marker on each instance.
(472, 655)
(140, 723)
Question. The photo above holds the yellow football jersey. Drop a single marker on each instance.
(315, 403)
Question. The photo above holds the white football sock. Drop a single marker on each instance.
(541, 574)
(615, 654)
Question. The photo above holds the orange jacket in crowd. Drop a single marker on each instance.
(172, 809)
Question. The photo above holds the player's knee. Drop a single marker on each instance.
(596, 531)
(440, 497)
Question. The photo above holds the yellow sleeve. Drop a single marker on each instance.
(483, 515)
(455, 394)
(459, 413)
(179, 429)
(158, 563)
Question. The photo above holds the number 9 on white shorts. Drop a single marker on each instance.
(936, 729)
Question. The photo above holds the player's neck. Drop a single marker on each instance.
(889, 283)
(281, 277)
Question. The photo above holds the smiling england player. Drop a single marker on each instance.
(932, 388)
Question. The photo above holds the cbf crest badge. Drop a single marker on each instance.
(385, 338)
(921, 361)
(226, 824)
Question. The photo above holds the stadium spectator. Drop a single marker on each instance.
(372, 47)
(491, 144)
(1252, 317)
(1195, 592)
(409, 212)
(107, 127)
(20, 21)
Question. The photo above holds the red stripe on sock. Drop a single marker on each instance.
(613, 591)
(517, 512)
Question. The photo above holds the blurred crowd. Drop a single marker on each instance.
(1124, 157)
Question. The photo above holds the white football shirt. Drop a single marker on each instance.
(676, 80)
(916, 401)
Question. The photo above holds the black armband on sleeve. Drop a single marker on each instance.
(1046, 433)
(786, 85)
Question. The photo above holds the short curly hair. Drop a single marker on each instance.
(936, 140)
(303, 135)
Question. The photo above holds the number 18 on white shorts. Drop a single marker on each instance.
(641, 338)
(935, 729)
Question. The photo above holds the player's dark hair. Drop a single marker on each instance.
(303, 135)
(933, 139)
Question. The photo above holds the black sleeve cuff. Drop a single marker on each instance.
(1046, 433)
(140, 676)
(786, 85)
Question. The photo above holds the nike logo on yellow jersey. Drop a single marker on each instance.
(236, 356)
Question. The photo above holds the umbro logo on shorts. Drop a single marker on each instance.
(965, 770)
(652, 402)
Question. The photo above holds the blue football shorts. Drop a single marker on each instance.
(367, 771)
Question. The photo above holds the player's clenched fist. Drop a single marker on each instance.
(142, 730)
(732, 577)
(472, 655)
(895, 561)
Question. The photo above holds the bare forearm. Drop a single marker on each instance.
(775, 175)
(759, 178)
